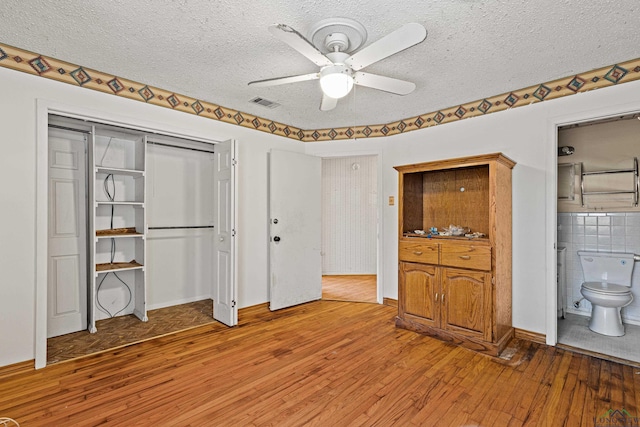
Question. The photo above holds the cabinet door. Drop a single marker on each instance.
(418, 290)
(466, 302)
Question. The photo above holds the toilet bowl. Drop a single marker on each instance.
(605, 307)
(607, 287)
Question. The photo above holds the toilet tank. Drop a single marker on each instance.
(610, 267)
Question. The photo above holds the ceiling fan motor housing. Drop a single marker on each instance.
(337, 42)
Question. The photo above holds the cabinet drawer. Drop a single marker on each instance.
(466, 256)
(418, 252)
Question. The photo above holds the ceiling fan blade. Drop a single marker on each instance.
(328, 103)
(387, 84)
(284, 80)
(299, 43)
(397, 41)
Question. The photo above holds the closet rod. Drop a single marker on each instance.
(88, 132)
(177, 146)
(179, 227)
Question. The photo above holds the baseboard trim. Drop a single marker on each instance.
(17, 368)
(530, 336)
(390, 302)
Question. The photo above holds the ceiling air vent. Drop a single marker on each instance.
(264, 102)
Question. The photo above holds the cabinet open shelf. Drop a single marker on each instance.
(441, 237)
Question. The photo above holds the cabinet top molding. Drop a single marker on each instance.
(459, 162)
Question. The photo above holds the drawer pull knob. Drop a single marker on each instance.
(417, 252)
(436, 297)
(465, 257)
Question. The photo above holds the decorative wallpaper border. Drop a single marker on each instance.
(33, 63)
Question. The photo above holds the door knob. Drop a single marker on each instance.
(276, 239)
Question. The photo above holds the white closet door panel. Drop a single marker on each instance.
(66, 298)
(67, 272)
(225, 309)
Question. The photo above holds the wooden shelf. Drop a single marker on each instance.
(118, 171)
(117, 232)
(116, 266)
(109, 203)
(441, 237)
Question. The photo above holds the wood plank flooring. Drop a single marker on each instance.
(325, 363)
(360, 288)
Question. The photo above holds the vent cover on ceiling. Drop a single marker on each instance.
(264, 102)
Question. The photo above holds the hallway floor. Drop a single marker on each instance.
(354, 288)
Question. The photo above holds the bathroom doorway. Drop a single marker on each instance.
(597, 210)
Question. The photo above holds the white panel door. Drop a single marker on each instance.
(225, 309)
(67, 251)
(295, 264)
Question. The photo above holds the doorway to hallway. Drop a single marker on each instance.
(349, 228)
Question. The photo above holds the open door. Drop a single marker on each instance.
(295, 263)
(225, 308)
(67, 250)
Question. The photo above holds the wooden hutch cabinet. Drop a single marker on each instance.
(457, 288)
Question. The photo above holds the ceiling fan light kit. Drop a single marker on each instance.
(332, 42)
(336, 81)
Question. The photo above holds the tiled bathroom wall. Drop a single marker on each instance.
(603, 232)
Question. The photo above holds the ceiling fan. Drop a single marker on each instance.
(332, 42)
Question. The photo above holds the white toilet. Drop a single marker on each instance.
(607, 286)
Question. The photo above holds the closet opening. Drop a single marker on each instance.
(135, 225)
(597, 214)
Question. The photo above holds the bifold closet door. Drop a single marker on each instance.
(180, 218)
(67, 251)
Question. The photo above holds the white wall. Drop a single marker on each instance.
(526, 135)
(349, 215)
(18, 193)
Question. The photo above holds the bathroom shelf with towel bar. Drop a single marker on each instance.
(633, 170)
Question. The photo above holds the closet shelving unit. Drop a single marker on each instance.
(584, 174)
(118, 225)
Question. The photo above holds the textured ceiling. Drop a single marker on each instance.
(211, 50)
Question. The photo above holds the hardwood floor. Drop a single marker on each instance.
(126, 330)
(324, 363)
(360, 288)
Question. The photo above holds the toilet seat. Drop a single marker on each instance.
(606, 288)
